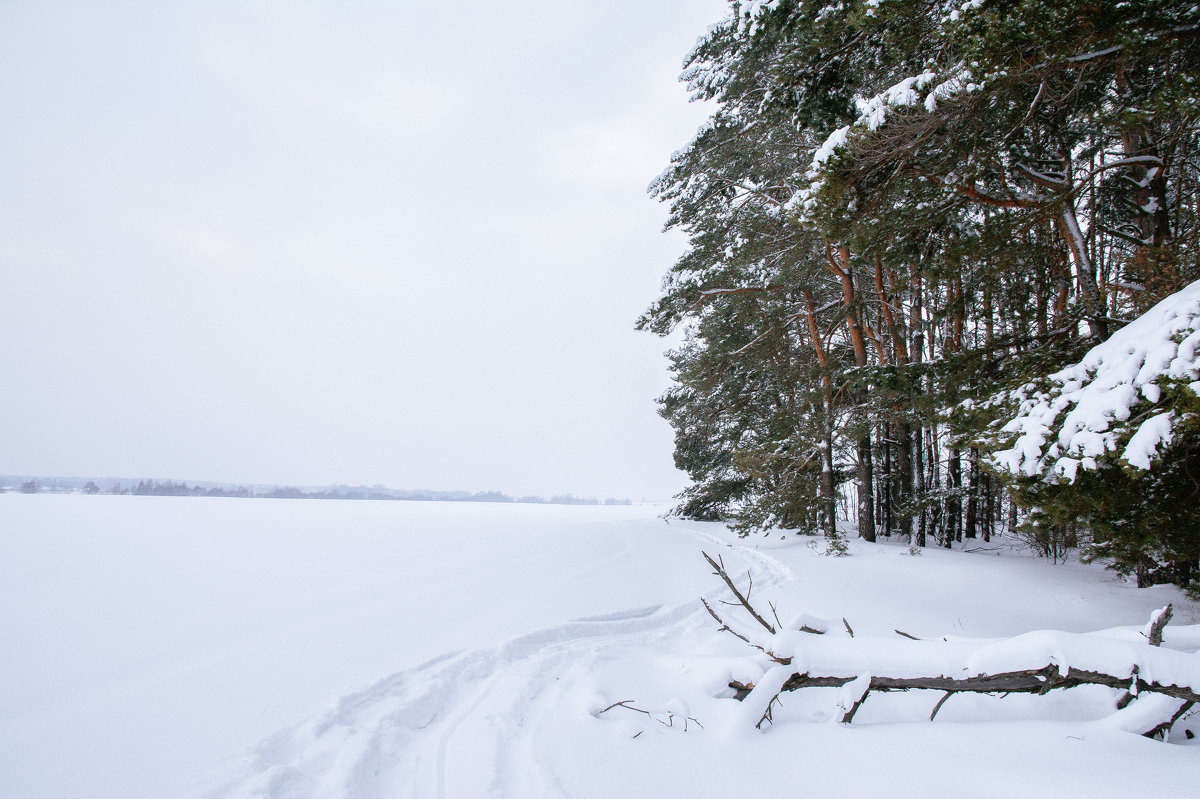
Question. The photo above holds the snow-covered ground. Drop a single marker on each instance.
(162, 647)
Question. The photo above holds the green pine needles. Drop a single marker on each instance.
(898, 210)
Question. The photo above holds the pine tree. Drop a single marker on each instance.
(898, 209)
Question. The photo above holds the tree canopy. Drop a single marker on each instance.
(898, 211)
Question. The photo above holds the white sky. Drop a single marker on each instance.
(361, 242)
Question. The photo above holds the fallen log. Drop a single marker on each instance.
(1030, 681)
(1151, 671)
(1034, 663)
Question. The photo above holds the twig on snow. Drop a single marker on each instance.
(670, 722)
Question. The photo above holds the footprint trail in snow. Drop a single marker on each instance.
(466, 723)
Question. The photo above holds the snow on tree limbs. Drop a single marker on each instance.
(900, 209)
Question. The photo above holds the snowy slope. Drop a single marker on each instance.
(160, 647)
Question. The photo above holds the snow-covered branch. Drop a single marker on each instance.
(1033, 663)
(914, 92)
(1087, 410)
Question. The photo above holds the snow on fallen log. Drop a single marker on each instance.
(1158, 685)
(1033, 663)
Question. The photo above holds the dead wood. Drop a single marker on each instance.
(938, 706)
(627, 704)
(726, 628)
(1164, 727)
(1030, 681)
(1159, 624)
(1037, 680)
(1154, 638)
(848, 716)
(719, 570)
(741, 690)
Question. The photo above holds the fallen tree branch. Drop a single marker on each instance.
(938, 706)
(1154, 636)
(625, 703)
(983, 667)
(719, 570)
(854, 694)
(1028, 681)
(1164, 727)
(670, 722)
(726, 628)
(766, 716)
(1154, 633)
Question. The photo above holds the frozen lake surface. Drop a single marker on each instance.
(186, 647)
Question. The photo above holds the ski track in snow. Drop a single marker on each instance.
(398, 737)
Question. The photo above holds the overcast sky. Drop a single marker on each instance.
(317, 242)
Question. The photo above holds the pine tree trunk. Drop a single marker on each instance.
(937, 522)
(1138, 140)
(969, 529)
(885, 487)
(1085, 272)
(866, 481)
(1143, 573)
(828, 485)
(916, 328)
(828, 501)
(904, 467)
(919, 470)
(989, 506)
(954, 497)
(1042, 304)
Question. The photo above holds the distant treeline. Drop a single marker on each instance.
(167, 488)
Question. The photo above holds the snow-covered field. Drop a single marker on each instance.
(161, 647)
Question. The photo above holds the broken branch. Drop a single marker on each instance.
(719, 570)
